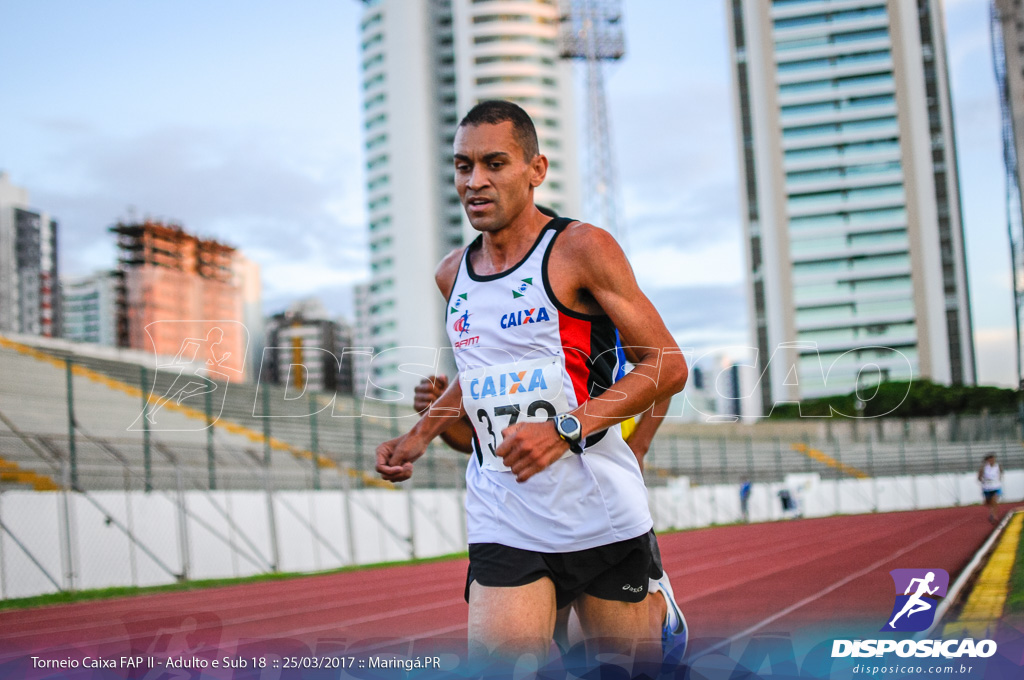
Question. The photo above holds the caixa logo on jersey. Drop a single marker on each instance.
(525, 316)
(519, 382)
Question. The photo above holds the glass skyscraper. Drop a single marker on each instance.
(425, 64)
(855, 249)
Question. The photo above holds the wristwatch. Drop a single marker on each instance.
(569, 430)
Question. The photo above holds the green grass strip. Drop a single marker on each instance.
(134, 591)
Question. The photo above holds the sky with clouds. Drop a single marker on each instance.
(242, 121)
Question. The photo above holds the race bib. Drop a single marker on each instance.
(496, 397)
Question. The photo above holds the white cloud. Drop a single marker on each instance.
(713, 264)
(994, 354)
(303, 277)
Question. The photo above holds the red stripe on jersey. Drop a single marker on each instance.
(575, 335)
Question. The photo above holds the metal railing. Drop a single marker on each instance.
(156, 487)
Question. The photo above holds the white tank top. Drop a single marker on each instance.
(990, 477)
(522, 356)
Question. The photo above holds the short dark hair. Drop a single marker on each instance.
(496, 111)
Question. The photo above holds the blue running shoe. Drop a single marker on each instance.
(674, 632)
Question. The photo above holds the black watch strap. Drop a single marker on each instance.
(570, 430)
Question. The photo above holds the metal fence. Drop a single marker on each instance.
(69, 540)
(109, 476)
(117, 425)
(122, 426)
(74, 540)
(715, 460)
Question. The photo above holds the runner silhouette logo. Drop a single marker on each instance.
(917, 591)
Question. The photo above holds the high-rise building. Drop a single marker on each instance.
(1007, 30)
(425, 64)
(362, 342)
(719, 389)
(307, 350)
(29, 283)
(1010, 14)
(510, 49)
(179, 296)
(89, 308)
(850, 201)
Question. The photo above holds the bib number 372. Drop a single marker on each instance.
(497, 397)
(512, 412)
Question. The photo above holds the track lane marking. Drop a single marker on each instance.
(226, 622)
(744, 579)
(112, 609)
(835, 586)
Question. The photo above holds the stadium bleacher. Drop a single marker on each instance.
(109, 434)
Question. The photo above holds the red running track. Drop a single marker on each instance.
(730, 582)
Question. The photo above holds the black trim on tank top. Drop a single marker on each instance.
(477, 452)
(582, 316)
(494, 277)
(600, 366)
(603, 357)
(592, 439)
(455, 282)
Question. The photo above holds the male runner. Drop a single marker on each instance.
(555, 501)
(664, 613)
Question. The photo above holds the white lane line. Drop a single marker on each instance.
(462, 627)
(379, 616)
(835, 586)
(227, 624)
(839, 548)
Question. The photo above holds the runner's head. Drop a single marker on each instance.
(496, 112)
(497, 164)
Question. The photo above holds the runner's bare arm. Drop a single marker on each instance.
(650, 420)
(640, 441)
(396, 456)
(459, 433)
(590, 274)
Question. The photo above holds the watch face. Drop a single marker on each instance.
(569, 426)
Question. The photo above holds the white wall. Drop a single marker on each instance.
(227, 533)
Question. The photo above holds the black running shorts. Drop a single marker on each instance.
(617, 571)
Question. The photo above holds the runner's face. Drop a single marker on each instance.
(494, 180)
